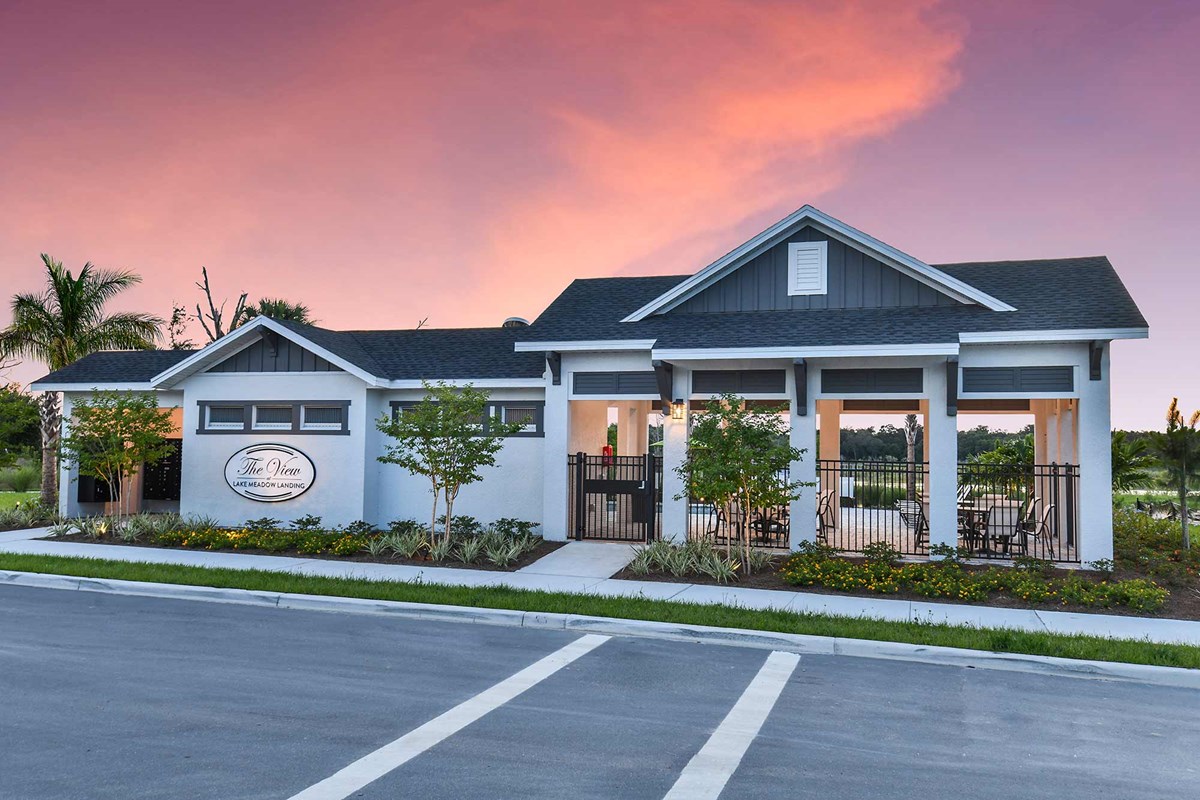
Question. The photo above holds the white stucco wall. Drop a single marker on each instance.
(337, 494)
(511, 488)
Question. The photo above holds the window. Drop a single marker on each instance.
(272, 418)
(807, 267)
(278, 416)
(525, 416)
(528, 413)
(226, 418)
(322, 418)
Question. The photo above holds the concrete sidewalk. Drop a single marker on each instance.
(555, 577)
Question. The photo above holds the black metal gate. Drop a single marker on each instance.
(615, 497)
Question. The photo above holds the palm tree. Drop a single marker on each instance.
(910, 454)
(1131, 462)
(63, 324)
(278, 308)
(1178, 451)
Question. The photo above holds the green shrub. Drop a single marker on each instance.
(21, 479)
(948, 580)
(1154, 547)
(881, 553)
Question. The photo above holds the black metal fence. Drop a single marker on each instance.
(767, 526)
(616, 498)
(1011, 510)
(862, 502)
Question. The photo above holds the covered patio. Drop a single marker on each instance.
(1002, 510)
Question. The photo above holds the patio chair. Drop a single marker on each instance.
(771, 525)
(1029, 513)
(912, 514)
(1002, 525)
(1038, 531)
(826, 523)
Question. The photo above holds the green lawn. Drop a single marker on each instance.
(10, 499)
(1006, 641)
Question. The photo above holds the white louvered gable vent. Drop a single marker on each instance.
(807, 266)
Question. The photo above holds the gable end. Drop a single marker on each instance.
(812, 270)
(274, 353)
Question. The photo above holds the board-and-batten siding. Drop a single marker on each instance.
(855, 280)
(287, 356)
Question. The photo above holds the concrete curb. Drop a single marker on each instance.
(576, 623)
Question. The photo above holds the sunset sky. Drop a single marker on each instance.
(385, 162)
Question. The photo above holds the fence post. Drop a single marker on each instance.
(580, 498)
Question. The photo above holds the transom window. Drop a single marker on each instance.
(528, 413)
(226, 418)
(322, 418)
(525, 416)
(273, 418)
(280, 417)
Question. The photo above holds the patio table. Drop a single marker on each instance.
(972, 519)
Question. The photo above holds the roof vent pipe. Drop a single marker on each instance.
(515, 322)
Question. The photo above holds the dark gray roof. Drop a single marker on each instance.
(443, 353)
(431, 353)
(1053, 294)
(117, 366)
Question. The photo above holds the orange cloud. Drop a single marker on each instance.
(388, 163)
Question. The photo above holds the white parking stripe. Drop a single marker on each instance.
(375, 765)
(706, 774)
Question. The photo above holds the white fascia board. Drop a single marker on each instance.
(849, 351)
(478, 383)
(840, 230)
(1076, 335)
(586, 345)
(91, 387)
(233, 342)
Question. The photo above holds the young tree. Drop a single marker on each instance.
(447, 438)
(1178, 452)
(113, 434)
(737, 457)
(177, 338)
(19, 429)
(63, 324)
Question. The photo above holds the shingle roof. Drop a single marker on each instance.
(117, 366)
(446, 353)
(1053, 294)
(431, 353)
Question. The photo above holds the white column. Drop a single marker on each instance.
(1067, 446)
(1095, 531)
(942, 483)
(554, 470)
(1052, 423)
(1040, 421)
(831, 450)
(802, 514)
(68, 491)
(675, 511)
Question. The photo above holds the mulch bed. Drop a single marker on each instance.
(543, 549)
(1183, 603)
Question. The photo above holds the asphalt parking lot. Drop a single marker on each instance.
(104, 696)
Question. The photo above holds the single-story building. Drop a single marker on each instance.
(810, 318)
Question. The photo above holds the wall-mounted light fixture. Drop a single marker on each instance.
(678, 409)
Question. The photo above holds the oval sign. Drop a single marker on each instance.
(269, 473)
